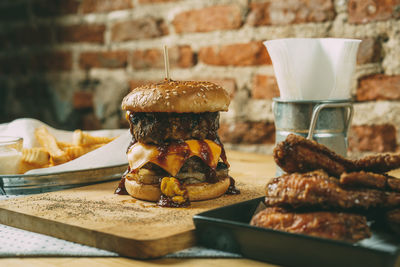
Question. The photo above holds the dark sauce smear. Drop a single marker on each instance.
(179, 148)
(162, 153)
(232, 190)
(205, 152)
(167, 202)
(121, 190)
(211, 175)
(223, 154)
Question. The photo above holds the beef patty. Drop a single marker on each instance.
(160, 127)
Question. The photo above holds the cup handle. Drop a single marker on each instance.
(2, 191)
(317, 109)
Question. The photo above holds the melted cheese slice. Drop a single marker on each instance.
(172, 157)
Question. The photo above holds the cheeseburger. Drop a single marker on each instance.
(175, 155)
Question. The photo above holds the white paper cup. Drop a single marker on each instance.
(313, 68)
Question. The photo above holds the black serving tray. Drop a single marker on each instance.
(228, 229)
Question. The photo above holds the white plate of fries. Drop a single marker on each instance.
(55, 159)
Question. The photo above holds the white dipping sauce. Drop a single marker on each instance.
(9, 161)
(10, 154)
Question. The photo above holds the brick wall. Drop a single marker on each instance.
(70, 62)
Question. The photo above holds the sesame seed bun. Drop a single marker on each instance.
(177, 96)
(196, 192)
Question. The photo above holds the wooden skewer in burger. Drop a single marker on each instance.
(175, 155)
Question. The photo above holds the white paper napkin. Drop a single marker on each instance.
(313, 68)
(111, 154)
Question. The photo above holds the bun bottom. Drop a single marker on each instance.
(196, 192)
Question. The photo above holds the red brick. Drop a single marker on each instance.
(364, 11)
(83, 99)
(109, 59)
(290, 12)
(369, 51)
(50, 8)
(374, 138)
(208, 19)
(247, 54)
(379, 87)
(51, 61)
(93, 6)
(144, 28)
(247, 133)
(89, 33)
(179, 56)
(264, 87)
(89, 121)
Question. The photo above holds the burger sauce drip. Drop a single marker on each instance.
(121, 190)
(205, 152)
(205, 155)
(165, 201)
(232, 190)
(223, 154)
(162, 153)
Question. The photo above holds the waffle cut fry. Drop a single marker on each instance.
(49, 142)
(37, 155)
(85, 139)
(64, 145)
(53, 152)
(34, 158)
(77, 151)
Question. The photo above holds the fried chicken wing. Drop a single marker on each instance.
(334, 225)
(298, 154)
(393, 183)
(378, 163)
(370, 180)
(363, 179)
(318, 189)
(311, 200)
(393, 220)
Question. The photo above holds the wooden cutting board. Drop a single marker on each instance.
(94, 216)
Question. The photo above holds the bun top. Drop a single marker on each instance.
(177, 96)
